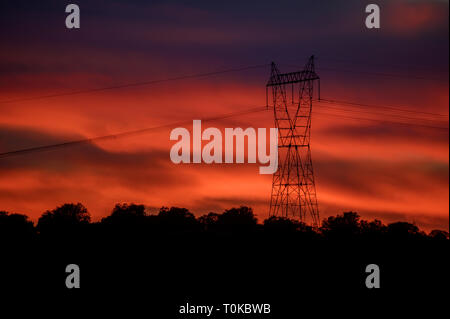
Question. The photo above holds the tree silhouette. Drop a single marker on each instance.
(281, 225)
(177, 219)
(439, 234)
(373, 230)
(131, 220)
(67, 218)
(404, 230)
(209, 221)
(173, 248)
(16, 227)
(344, 226)
(126, 214)
(127, 221)
(237, 220)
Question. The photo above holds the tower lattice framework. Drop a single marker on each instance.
(293, 187)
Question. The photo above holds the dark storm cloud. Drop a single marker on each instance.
(14, 138)
(142, 169)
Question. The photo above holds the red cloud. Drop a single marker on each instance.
(414, 17)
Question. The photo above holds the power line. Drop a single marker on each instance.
(392, 75)
(377, 113)
(125, 134)
(385, 65)
(403, 109)
(382, 121)
(198, 75)
(135, 84)
(207, 119)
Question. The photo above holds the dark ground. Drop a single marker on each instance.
(147, 267)
(157, 277)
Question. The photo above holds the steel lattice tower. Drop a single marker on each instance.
(293, 187)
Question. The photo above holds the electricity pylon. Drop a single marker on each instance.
(293, 187)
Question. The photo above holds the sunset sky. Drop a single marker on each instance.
(381, 170)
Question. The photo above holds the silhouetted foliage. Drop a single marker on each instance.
(342, 226)
(281, 225)
(131, 220)
(64, 219)
(404, 230)
(173, 251)
(126, 221)
(177, 219)
(372, 230)
(16, 227)
(237, 220)
(126, 214)
(439, 234)
(209, 221)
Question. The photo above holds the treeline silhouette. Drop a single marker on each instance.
(131, 221)
(170, 257)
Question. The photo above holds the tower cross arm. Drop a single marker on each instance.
(292, 77)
